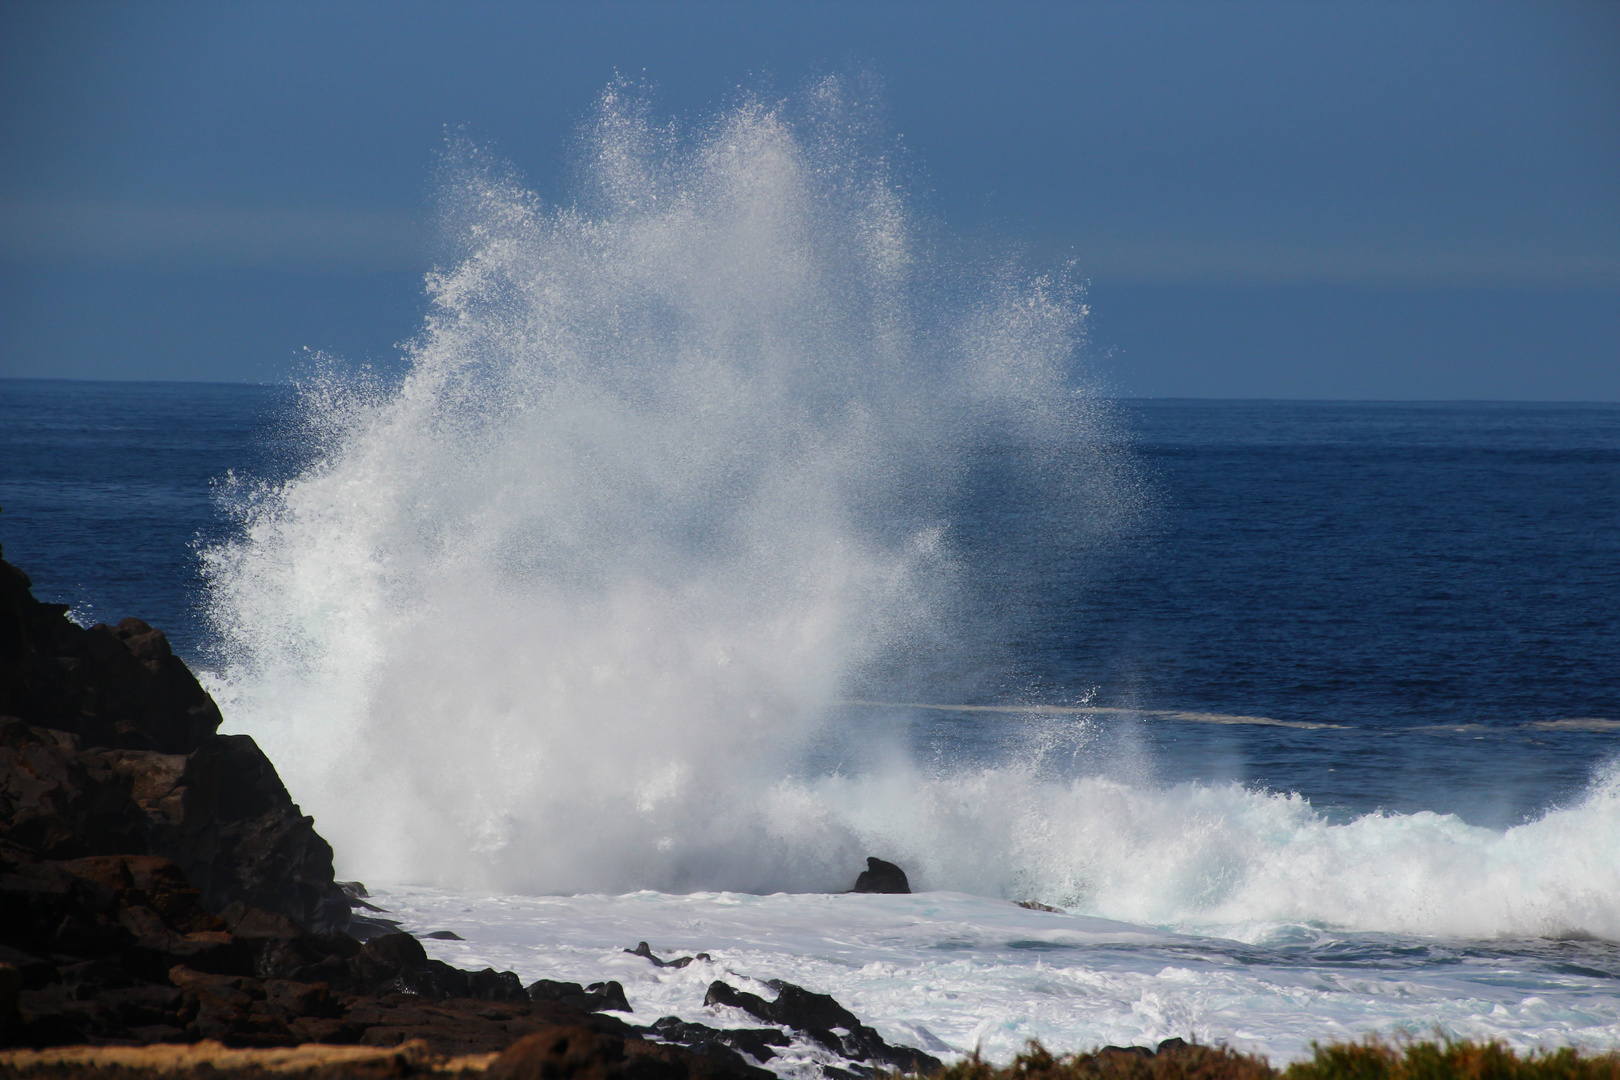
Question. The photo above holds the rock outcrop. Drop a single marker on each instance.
(597, 997)
(881, 877)
(158, 884)
(133, 765)
(120, 947)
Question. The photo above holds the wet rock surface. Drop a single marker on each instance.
(820, 1018)
(759, 1043)
(881, 877)
(597, 997)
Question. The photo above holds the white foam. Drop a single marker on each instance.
(1224, 859)
(949, 972)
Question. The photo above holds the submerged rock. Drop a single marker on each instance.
(881, 877)
(643, 950)
(1036, 905)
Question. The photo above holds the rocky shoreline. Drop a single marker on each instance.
(158, 885)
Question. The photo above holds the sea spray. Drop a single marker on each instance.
(672, 465)
(678, 467)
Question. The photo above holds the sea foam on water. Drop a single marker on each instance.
(670, 475)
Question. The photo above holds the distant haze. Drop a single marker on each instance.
(1356, 200)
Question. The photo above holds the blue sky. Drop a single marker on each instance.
(1318, 200)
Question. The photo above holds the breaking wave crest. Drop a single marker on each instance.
(1229, 860)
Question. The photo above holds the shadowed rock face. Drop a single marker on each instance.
(158, 885)
(121, 947)
(112, 686)
(127, 762)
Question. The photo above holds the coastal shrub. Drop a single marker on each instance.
(1447, 1059)
(1190, 1062)
(1372, 1059)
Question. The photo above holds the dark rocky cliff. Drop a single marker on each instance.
(136, 728)
(158, 884)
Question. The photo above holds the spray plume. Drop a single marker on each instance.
(673, 471)
(671, 465)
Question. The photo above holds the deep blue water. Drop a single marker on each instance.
(1435, 579)
(107, 488)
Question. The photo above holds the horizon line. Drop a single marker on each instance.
(1118, 398)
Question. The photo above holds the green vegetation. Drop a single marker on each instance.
(1447, 1060)
(1370, 1060)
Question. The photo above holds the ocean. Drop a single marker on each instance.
(1422, 598)
(711, 538)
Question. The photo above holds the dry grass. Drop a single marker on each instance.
(211, 1060)
(1370, 1060)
